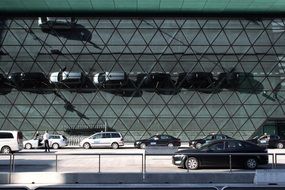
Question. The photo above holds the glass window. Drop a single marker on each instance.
(106, 135)
(116, 135)
(97, 136)
(6, 135)
(209, 137)
(217, 146)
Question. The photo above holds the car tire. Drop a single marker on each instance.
(280, 145)
(170, 145)
(115, 145)
(198, 145)
(6, 150)
(55, 146)
(192, 163)
(251, 163)
(86, 145)
(142, 146)
(28, 146)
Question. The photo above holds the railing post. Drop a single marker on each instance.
(13, 163)
(10, 168)
(273, 161)
(230, 157)
(99, 163)
(55, 162)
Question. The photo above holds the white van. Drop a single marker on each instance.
(11, 141)
(103, 139)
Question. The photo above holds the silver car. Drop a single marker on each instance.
(110, 80)
(55, 141)
(67, 78)
(103, 139)
(56, 22)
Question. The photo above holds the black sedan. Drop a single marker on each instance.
(194, 159)
(158, 140)
(269, 141)
(197, 143)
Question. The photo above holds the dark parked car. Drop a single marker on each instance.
(31, 81)
(197, 158)
(229, 80)
(158, 140)
(160, 83)
(5, 85)
(197, 143)
(269, 141)
(203, 81)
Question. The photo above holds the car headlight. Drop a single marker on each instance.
(138, 142)
(178, 155)
(193, 142)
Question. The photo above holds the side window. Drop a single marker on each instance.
(232, 145)
(116, 135)
(217, 146)
(97, 136)
(106, 135)
(6, 135)
(163, 137)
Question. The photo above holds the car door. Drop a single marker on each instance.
(154, 140)
(215, 160)
(163, 140)
(96, 140)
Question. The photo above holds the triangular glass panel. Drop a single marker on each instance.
(248, 126)
(211, 126)
(242, 39)
(222, 112)
(55, 111)
(8, 125)
(239, 122)
(229, 126)
(203, 112)
(279, 112)
(156, 109)
(18, 122)
(156, 126)
(18, 111)
(202, 122)
(119, 125)
(147, 112)
(172, 125)
(109, 113)
(199, 39)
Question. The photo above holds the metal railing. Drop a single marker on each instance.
(12, 158)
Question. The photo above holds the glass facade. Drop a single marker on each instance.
(243, 60)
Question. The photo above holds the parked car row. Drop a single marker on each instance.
(158, 82)
(214, 153)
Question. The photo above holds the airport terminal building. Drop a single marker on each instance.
(185, 76)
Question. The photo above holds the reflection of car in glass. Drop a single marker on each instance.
(68, 79)
(110, 80)
(55, 141)
(5, 85)
(56, 22)
(29, 80)
(229, 80)
(197, 143)
(196, 158)
(160, 83)
(103, 139)
(195, 80)
(158, 140)
(269, 141)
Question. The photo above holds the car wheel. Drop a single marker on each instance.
(28, 146)
(251, 163)
(198, 145)
(6, 150)
(115, 145)
(55, 146)
(86, 145)
(170, 145)
(280, 145)
(142, 146)
(192, 163)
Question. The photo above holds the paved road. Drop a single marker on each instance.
(37, 160)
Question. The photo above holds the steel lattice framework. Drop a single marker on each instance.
(144, 46)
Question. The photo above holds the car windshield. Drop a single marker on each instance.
(209, 137)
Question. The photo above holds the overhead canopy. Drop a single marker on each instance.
(110, 7)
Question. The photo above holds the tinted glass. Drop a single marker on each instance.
(6, 135)
(106, 135)
(217, 146)
(164, 137)
(116, 135)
